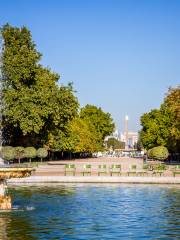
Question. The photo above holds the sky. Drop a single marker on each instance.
(121, 55)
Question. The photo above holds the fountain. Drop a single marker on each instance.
(7, 173)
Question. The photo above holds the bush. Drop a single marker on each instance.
(30, 152)
(159, 153)
(19, 153)
(160, 167)
(8, 153)
(42, 153)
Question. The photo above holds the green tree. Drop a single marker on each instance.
(101, 120)
(30, 152)
(19, 153)
(42, 153)
(115, 144)
(8, 153)
(83, 136)
(35, 107)
(161, 127)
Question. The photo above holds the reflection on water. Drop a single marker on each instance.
(77, 211)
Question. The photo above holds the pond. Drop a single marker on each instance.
(92, 211)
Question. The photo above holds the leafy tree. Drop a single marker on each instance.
(160, 127)
(172, 103)
(19, 153)
(34, 105)
(42, 153)
(65, 109)
(83, 136)
(102, 121)
(115, 144)
(30, 152)
(7, 153)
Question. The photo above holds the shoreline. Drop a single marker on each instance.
(95, 179)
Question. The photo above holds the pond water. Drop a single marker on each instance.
(90, 211)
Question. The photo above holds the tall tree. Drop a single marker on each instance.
(33, 102)
(101, 120)
(162, 126)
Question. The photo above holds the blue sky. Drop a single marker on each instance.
(121, 55)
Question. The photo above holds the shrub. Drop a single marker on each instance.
(160, 167)
(30, 152)
(42, 153)
(159, 153)
(19, 153)
(8, 153)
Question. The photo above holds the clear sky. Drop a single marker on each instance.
(121, 55)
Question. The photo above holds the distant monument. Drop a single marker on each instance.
(126, 132)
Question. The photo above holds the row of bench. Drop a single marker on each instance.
(114, 169)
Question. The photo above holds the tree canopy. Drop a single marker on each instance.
(37, 110)
(101, 120)
(161, 127)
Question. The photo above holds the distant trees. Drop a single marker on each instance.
(102, 122)
(114, 143)
(39, 112)
(161, 127)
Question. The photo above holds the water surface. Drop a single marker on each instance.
(92, 211)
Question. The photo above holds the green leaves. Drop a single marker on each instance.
(36, 110)
(102, 121)
(162, 126)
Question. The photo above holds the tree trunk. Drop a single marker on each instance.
(19, 160)
(41, 159)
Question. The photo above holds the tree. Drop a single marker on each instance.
(42, 153)
(161, 127)
(102, 121)
(7, 153)
(34, 105)
(83, 136)
(65, 109)
(19, 153)
(30, 152)
(115, 144)
(172, 103)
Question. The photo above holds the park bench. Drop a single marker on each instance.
(70, 168)
(86, 169)
(115, 169)
(176, 171)
(132, 170)
(102, 169)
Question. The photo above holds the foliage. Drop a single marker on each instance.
(114, 143)
(34, 104)
(158, 153)
(83, 136)
(162, 126)
(42, 153)
(30, 152)
(102, 121)
(172, 102)
(7, 153)
(39, 112)
(159, 167)
(19, 153)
